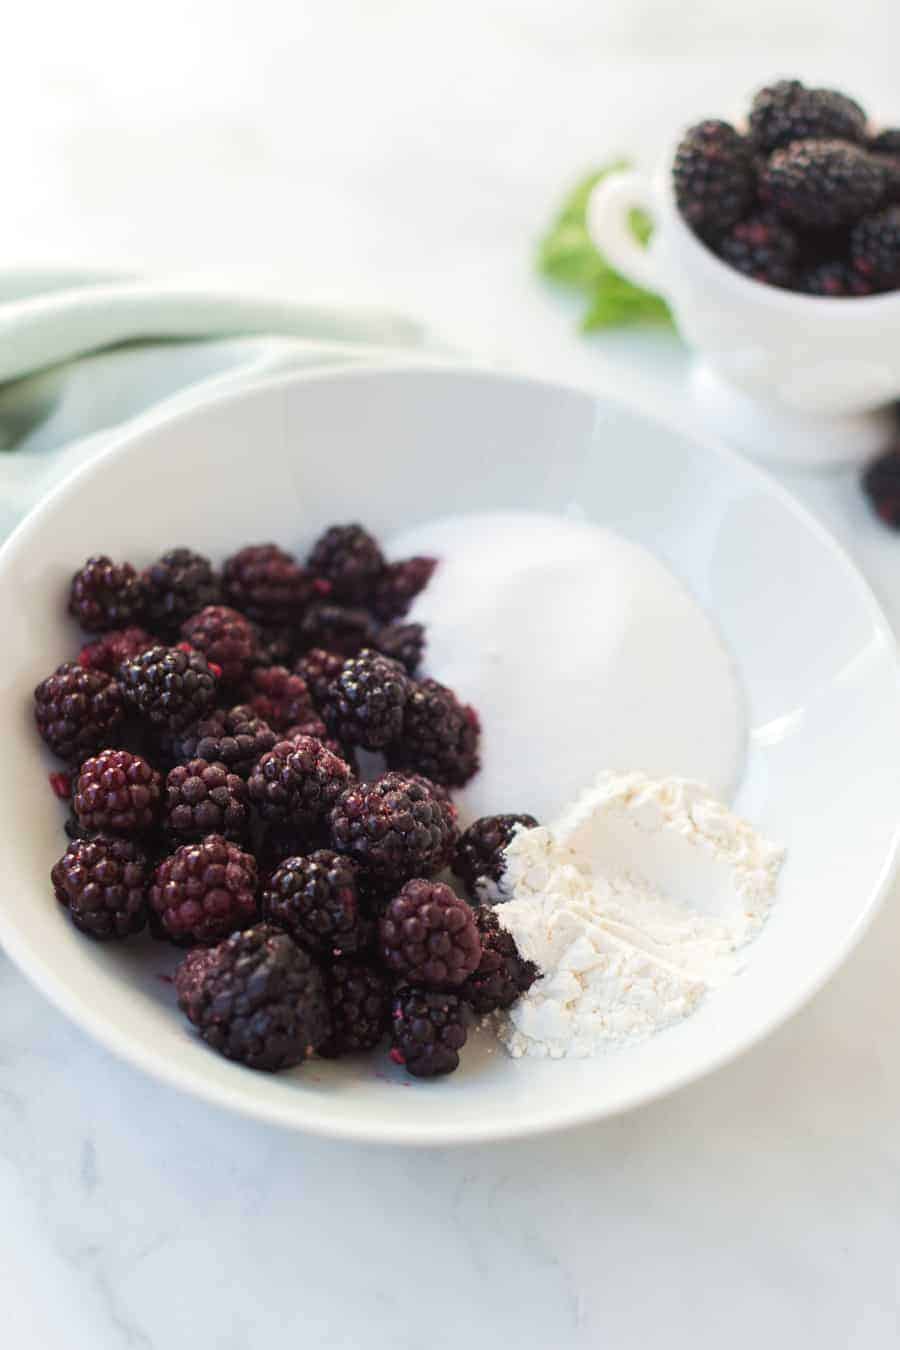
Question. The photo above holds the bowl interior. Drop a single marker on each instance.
(392, 447)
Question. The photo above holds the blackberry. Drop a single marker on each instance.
(395, 828)
(268, 585)
(103, 884)
(359, 997)
(224, 637)
(428, 936)
(204, 798)
(440, 736)
(478, 858)
(762, 248)
(822, 184)
(78, 711)
(835, 279)
(337, 629)
(713, 177)
(365, 704)
(169, 687)
(503, 974)
(298, 782)
(349, 558)
(278, 697)
(881, 484)
(875, 248)
(787, 111)
(315, 727)
(256, 998)
(319, 668)
(449, 814)
(117, 792)
(316, 900)
(428, 1031)
(887, 142)
(236, 738)
(204, 891)
(398, 586)
(179, 584)
(110, 650)
(105, 595)
(403, 642)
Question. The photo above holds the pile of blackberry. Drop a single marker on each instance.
(210, 732)
(805, 196)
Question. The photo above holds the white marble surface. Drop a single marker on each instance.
(407, 152)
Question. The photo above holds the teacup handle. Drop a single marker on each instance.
(608, 211)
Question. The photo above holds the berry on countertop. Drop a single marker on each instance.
(365, 704)
(787, 111)
(359, 996)
(298, 782)
(278, 696)
(398, 586)
(236, 738)
(503, 974)
(428, 936)
(713, 177)
(395, 828)
(316, 899)
(881, 484)
(103, 884)
(169, 687)
(822, 184)
(478, 858)
(204, 891)
(835, 279)
(256, 998)
(205, 798)
(875, 248)
(268, 585)
(78, 711)
(440, 736)
(428, 1031)
(179, 584)
(225, 638)
(337, 628)
(762, 248)
(105, 595)
(118, 793)
(348, 557)
(109, 651)
(319, 668)
(403, 642)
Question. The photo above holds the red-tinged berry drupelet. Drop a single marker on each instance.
(236, 738)
(395, 828)
(478, 858)
(440, 736)
(320, 668)
(762, 248)
(278, 697)
(103, 883)
(298, 782)
(349, 558)
(204, 798)
(105, 595)
(428, 1030)
(820, 185)
(427, 936)
(787, 111)
(110, 650)
(268, 585)
(118, 793)
(169, 687)
(503, 973)
(398, 586)
(316, 899)
(881, 484)
(875, 248)
(225, 638)
(365, 704)
(403, 642)
(359, 996)
(256, 998)
(78, 711)
(713, 177)
(204, 891)
(179, 584)
(337, 628)
(315, 727)
(835, 280)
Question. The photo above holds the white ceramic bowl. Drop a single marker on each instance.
(784, 376)
(395, 446)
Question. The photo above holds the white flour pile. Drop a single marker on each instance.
(634, 904)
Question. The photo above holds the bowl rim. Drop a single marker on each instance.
(560, 1114)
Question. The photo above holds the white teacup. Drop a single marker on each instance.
(784, 376)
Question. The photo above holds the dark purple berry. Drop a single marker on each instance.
(225, 638)
(179, 584)
(203, 798)
(428, 936)
(398, 586)
(820, 185)
(110, 650)
(204, 891)
(359, 996)
(881, 484)
(117, 792)
(395, 828)
(106, 595)
(103, 884)
(171, 688)
(320, 669)
(440, 736)
(713, 177)
(788, 111)
(298, 782)
(348, 557)
(875, 249)
(316, 899)
(236, 738)
(268, 585)
(278, 697)
(78, 711)
(478, 860)
(762, 248)
(403, 642)
(428, 1031)
(503, 974)
(365, 704)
